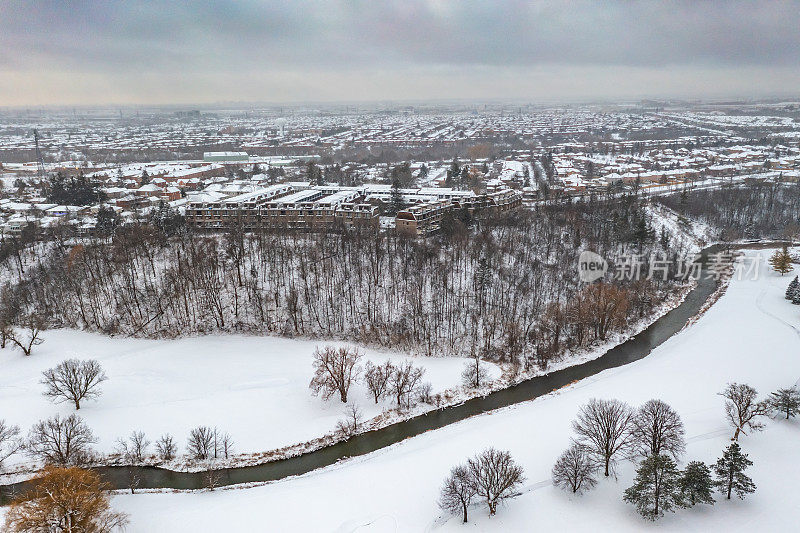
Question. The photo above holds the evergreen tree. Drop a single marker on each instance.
(796, 296)
(464, 216)
(655, 488)
(664, 238)
(464, 177)
(786, 401)
(790, 290)
(642, 233)
(166, 219)
(545, 190)
(455, 168)
(403, 174)
(314, 174)
(74, 191)
(145, 178)
(781, 261)
(729, 472)
(107, 220)
(695, 484)
(273, 173)
(396, 201)
(448, 180)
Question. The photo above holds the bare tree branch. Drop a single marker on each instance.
(603, 426)
(73, 381)
(335, 370)
(742, 409)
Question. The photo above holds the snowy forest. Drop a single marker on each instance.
(758, 210)
(504, 288)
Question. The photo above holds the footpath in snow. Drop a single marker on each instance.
(750, 335)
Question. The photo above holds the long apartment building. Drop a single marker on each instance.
(304, 207)
(425, 218)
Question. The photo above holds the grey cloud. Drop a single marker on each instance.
(249, 39)
(458, 32)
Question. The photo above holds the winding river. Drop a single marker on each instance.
(635, 348)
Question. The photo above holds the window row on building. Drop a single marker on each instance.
(300, 206)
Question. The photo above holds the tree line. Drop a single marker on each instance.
(506, 289)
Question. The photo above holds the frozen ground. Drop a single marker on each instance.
(750, 336)
(255, 388)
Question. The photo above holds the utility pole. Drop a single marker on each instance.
(39, 160)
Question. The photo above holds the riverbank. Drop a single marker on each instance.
(744, 337)
(253, 388)
(632, 349)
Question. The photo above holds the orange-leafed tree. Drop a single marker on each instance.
(607, 304)
(64, 500)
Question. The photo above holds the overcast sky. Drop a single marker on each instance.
(163, 51)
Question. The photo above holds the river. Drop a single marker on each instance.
(635, 348)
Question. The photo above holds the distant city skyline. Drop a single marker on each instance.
(166, 52)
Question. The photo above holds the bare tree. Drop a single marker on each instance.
(377, 378)
(134, 478)
(6, 334)
(357, 286)
(458, 491)
(335, 369)
(603, 426)
(60, 441)
(496, 476)
(425, 393)
(657, 429)
(225, 445)
(575, 470)
(139, 445)
(8, 308)
(742, 409)
(166, 448)
(212, 477)
(133, 450)
(352, 421)
(33, 326)
(73, 381)
(475, 374)
(201, 442)
(10, 443)
(222, 444)
(404, 381)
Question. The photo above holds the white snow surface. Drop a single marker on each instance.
(750, 335)
(254, 388)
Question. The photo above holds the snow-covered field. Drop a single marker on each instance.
(255, 388)
(750, 336)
